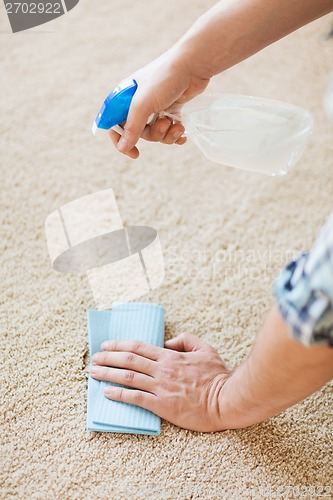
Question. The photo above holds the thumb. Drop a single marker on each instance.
(185, 342)
(135, 123)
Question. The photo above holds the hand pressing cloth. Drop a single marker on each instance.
(126, 321)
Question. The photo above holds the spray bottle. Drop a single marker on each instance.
(250, 133)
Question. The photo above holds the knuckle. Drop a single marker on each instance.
(129, 376)
(182, 336)
(129, 358)
(130, 128)
(113, 136)
(138, 398)
(186, 336)
(136, 346)
(104, 358)
(112, 345)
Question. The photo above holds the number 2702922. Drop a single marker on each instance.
(33, 8)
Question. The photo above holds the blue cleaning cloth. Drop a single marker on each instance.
(127, 321)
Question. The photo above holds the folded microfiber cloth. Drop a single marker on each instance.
(126, 321)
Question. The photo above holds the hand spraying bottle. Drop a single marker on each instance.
(250, 133)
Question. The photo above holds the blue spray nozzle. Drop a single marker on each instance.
(116, 106)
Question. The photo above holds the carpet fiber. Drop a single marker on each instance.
(225, 233)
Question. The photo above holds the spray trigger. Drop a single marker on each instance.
(116, 106)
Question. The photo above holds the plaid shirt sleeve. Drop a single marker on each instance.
(304, 292)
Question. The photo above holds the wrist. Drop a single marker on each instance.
(238, 406)
(191, 54)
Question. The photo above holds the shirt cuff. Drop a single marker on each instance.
(306, 308)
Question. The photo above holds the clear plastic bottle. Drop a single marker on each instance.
(250, 133)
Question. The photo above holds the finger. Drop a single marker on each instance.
(134, 397)
(126, 360)
(136, 121)
(129, 378)
(115, 137)
(181, 141)
(164, 131)
(157, 131)
(148, 351)
(174, 134)
(186, 342)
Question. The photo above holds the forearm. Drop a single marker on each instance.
(225, 35)
(233, 30)
(278, 373)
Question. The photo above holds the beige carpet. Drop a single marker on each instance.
(225, 233)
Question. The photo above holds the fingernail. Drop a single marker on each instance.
(122, 145)
(106, 344)
(176, 134)
(93, 371)
(94, 360)
(108, 391)
(164, 128)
